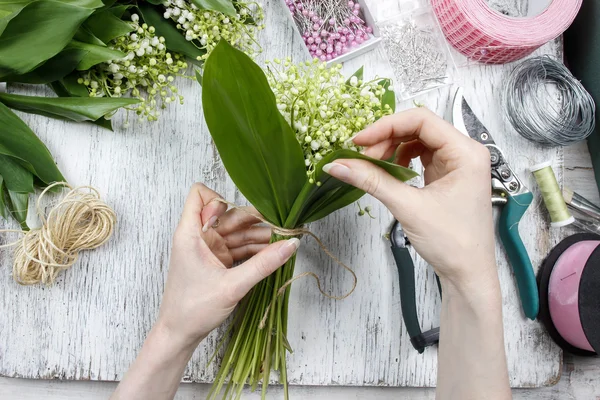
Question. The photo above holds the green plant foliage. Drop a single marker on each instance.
(76, 109)
(24, 160)
(33, 35)
(258, 148)
(174, 40)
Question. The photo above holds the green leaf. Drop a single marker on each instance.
(17, 177)
(224, 6)
(18, 205)
(358, 74)
(95, 54)
(54, 69)
(84, 35)
(39, 32)
(257, 146)
(106, 26)
(155, 2)
(3, 207)
(68, 87)
(389, 97)
(174, 38)
(317, 202)
(198, 76)
(18, 141)
(76, 109)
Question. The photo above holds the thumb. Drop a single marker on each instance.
(263, 264)
(373, 180)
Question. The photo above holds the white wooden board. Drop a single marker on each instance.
(90, 325)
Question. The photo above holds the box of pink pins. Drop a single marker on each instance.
(334, 30)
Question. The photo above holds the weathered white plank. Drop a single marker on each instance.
(91, 324)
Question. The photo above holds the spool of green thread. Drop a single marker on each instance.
(552, 195)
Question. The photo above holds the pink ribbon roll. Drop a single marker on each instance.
(485, 35)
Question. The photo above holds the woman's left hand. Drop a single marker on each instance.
(202, 289)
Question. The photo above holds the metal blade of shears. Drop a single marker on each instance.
(467, 122)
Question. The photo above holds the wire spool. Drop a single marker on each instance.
(552, 195)
(534, 117)
(485, 35)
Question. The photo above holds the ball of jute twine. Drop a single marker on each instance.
(80, 221)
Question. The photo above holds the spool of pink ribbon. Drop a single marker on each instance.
(485, 35)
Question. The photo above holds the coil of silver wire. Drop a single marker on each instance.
(528, 96)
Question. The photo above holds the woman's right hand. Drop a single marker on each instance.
(449, 221)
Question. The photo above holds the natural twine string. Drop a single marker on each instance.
(80, 221)
(291, 233)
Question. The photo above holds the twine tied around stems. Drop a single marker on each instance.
(290, 233)
(80, 221)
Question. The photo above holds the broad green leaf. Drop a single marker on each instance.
(174, 38)
(85, 36)
(18, 141)
(54, 69)
(17, 178)
(95, 54)
(155, 2)
(224, 6)
(18, 204)
(3, 208)
(119, 10)
(317, 202)
(106, 26)
(39, 32)
(68, 87)
(257, 146)
(76, 109)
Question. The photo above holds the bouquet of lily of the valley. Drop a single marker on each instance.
(99, 56)
(275, 132)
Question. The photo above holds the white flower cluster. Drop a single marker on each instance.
(146, 72)
(323, 109)
(204, 28)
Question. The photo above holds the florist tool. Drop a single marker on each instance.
(406, 275)
(568, 120)
(569, 303)
(508, 191)
(487, 36)
(580, 204)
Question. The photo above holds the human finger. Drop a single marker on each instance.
(245, 276)
(199, 209)
(245, 252)
(237, 219)
(373, 180)
(417, 123)
(252, 235)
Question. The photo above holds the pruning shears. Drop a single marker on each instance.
(509, 192)
(406, 275)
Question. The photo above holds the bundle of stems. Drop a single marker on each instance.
(258, 342)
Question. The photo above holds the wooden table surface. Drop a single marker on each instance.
(90, 325)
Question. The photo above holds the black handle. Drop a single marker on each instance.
(408, 302)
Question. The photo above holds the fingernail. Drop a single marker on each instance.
(353, 137)
(337, 170)
(211, 221)
(289, 248)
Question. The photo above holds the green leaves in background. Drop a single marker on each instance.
(260, 150)
(174, 40)
(93, 54)
(24, 159)
(258, 147)
(32, 35)
(76, 109)
(106, 26)
(224, 6)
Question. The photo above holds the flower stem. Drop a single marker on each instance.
(252, 351)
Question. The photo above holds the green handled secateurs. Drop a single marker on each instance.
(507, 191)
